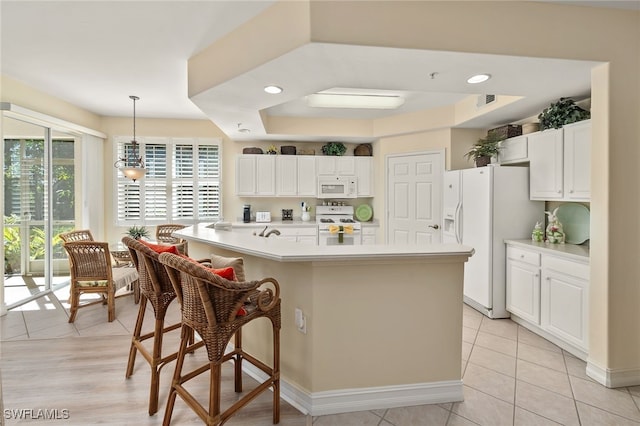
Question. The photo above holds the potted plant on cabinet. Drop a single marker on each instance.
(484, 149)
(565, 111)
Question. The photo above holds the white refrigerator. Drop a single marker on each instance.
(483, 207)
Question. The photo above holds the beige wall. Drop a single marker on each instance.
(515, 28)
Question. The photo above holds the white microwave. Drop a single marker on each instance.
(337, 187)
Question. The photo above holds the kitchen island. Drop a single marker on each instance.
(382, 324)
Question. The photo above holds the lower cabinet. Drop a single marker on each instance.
(550, 293)
(369, 235)
(305, 235)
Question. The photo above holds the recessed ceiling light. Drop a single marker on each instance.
(273, 90)
(337, 100)
(479, 78)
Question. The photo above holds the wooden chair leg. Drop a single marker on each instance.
(214, 393)
(238, 361)
(73, 304)
(111, 305)
(171, 400)
(155, 373)
(136, 337)
(276, 375)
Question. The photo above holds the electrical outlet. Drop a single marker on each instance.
(301, 321)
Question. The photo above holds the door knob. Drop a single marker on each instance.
(434, 226)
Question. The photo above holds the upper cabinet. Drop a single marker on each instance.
(295, 175)
(513, 150)
(364, 173)
(560, 163)
(255, 175)
(336, 165)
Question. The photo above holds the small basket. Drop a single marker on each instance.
(506, 132)
(252, 150)
(288, 150)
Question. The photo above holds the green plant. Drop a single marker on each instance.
(137, 232)
(334, 148)
(565, 111)
(485, 147)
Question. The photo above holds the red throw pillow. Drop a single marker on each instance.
(160, 248)
(228, 273)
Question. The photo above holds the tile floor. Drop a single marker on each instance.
(511, 376)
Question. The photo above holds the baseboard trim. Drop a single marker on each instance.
(349, 400)
(613, 378)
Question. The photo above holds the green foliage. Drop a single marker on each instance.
(137, 232)
(334, 148)
(485, 147)
(565, 111)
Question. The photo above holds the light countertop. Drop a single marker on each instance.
(578, 252)
(287, 251)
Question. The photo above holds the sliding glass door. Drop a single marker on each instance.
(39, 204)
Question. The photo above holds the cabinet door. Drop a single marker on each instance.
(513, 150)
(364, 173)
(523, 290)
(546, 165)
(307, 185)
(565, 307)
(246, 175)
(265, 175)
(307, 239)
(577, 161)
(336, 166)
(286, 175)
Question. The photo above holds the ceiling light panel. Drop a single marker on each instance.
(478, 78)
(273, 90)
(335, 100)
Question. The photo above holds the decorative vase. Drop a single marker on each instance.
(306, 216)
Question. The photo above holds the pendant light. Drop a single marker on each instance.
(132, 166)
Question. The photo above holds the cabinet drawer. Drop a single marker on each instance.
(567, 267)
(525, 256)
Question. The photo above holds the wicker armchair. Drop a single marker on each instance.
(77, 235)
(163, 235)
(217, 308)
(90, 268)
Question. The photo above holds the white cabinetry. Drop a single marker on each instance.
(513, 150)
(255, 175)
(336, 165)
(565, 299)
(369, 235)
(548, 293)
(523, 284)
(560, 163)
(364, 173)
(305, 235)
(295, 176)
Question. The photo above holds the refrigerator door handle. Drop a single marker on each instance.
(458, 216)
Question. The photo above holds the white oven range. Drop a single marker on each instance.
(328, 217)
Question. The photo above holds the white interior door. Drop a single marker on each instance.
(414, 198)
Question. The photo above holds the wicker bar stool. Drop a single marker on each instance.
(157, 288)
(163, 236)
(76, 235)
(216, 308)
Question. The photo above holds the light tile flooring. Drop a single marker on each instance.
(511, 376)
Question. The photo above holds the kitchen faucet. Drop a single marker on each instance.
(262, 234)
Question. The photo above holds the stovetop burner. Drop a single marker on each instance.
(326, 220)
(347, 220)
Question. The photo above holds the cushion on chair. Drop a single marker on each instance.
(237, 263)
(225, 272)
(96, 283)
(160, 248)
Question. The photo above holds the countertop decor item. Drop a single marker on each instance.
(484, 149)
(272, 150)
(364, 212)
(565, 111)
(507, 131)
(334, 148)
(555, 230)
(575, 219)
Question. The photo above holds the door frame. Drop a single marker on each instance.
(441, 152)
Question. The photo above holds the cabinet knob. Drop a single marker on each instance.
(571, 191)
(559, 191)
(536, 275)
(522, 256)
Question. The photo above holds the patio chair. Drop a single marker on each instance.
(91, 272)
(77, 235)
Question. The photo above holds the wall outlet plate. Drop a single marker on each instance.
(263, 217)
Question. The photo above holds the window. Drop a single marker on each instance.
(182, 183)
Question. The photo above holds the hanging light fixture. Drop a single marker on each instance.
(132, 166)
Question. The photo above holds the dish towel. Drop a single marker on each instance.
(340, 230)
